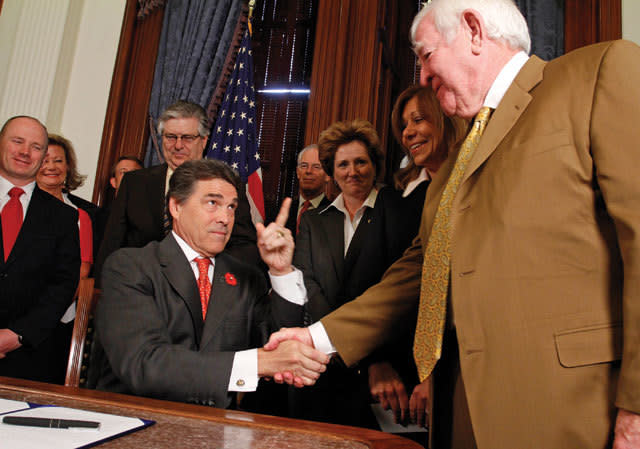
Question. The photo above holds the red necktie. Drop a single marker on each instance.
(204, 285)
(11, 220)
(305, 207)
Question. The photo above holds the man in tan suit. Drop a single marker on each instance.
(541, 347)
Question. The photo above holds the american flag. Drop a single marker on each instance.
(233, 135)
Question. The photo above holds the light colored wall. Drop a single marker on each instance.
(59, 56)
(631, 20)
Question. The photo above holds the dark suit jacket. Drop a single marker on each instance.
(149, 322)
(137, 218)
(293, 212)
(332, 279)
(37, 283)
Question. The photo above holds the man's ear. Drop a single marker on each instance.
(174, 208)
(112, 181)
(473, 25)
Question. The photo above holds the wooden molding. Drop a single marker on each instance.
(125, 127)
(590, 21)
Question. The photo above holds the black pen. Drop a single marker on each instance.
(53, 423)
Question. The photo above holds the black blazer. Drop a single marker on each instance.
(149, 322)
(293, 212)
(331, 278)
(137, 218)
(37, 283)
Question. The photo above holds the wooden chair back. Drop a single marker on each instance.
(82, 334)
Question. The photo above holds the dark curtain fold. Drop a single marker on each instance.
(196, 37)
(546, 26)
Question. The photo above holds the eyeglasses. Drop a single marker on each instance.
(305, 166)
(187, 139)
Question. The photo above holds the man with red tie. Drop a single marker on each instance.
(40, 260)
(178, 318)
(312, 181)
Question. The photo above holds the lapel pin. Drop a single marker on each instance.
(230, 279)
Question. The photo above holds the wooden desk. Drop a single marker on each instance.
(192, 426)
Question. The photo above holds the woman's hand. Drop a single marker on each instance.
(420, 402)
(387, 388)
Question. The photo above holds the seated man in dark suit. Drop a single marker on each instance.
(40, 262)
(138, 214)
(177, 317)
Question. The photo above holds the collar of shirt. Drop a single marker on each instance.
(5, 186)
(166, 180)
(67, 201)
(504, 79)
(411, 186)
(315, 202)
(351, 226)
(191, 256)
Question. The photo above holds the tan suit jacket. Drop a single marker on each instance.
(545, 258)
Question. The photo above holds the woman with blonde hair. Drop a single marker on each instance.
(342, 250)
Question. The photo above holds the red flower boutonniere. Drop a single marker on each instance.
(230, 278)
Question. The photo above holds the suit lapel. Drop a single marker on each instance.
(223, 296)
(509, 110)
(333, 227)
(177, 270)
(358, 241)
(33, 224)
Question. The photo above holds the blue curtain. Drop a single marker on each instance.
(546, 26)
(196, 36)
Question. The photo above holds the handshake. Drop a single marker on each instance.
(289, 357)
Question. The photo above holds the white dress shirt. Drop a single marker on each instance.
(25, 199)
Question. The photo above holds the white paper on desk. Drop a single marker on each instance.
(22, 437)
(7, 406)
(387, 423)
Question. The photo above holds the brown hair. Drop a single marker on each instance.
(183, 180)
(73, 179)
(448, 131)
(339, 133)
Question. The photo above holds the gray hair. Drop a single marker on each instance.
(307, 148)
(502, 18)
(185, 109)
(184, 178)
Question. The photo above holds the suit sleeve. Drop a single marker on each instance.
(61, 282)
(615, 136)
(115, 229)
(359, 327)
(317, 304)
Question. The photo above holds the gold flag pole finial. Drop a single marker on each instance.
(252, 5)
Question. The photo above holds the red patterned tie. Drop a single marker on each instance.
(11, 220)
(305, 207)
(204, 285)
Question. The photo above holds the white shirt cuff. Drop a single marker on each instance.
(321, 339)
(244, 372)
(290, 286)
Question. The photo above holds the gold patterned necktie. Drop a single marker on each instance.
(436, 267)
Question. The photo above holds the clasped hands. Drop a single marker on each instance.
(290, 360)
